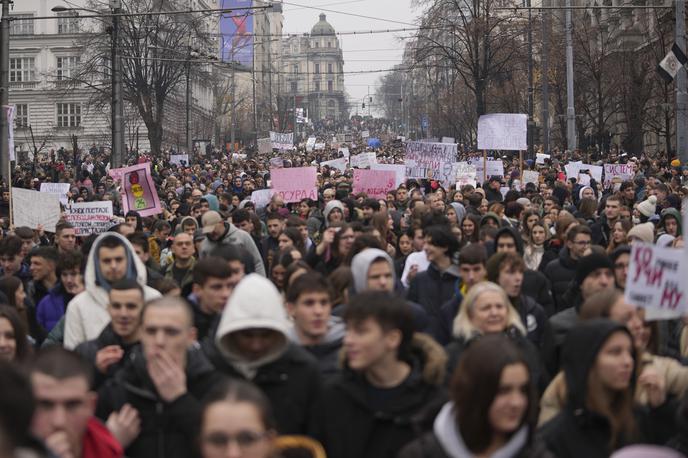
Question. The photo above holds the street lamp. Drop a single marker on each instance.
(117, 101)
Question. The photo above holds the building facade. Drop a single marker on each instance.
(313, 78)
(268, 26)
(56, 104)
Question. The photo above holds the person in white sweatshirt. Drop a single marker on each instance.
(112, 258)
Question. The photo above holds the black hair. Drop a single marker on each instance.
(61, 364)
(311, 282)
(210, 267)
(45, 252)
(17, 406)
(235, 390)
(11, 246)
(240, 216)
(441, 236)
(126, 284)
(139, 239)
(473, 254)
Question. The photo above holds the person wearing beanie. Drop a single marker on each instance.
(594, 274)
(676, 163)
(644, 232)
(333, 212)
(647, 208)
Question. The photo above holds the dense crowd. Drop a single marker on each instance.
(483, 321)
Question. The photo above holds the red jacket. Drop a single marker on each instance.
(99, 442)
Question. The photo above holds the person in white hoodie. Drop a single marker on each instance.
(252, 343)
(112, 258)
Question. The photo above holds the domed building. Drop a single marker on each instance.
(313, 79)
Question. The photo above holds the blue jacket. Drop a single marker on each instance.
(52, 307)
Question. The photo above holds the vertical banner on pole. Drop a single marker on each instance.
(9, 115)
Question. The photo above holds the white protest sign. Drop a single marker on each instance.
(345, 152)
(89, 217)
(465, 174)
(657, 279)
(310, 143)
(319, 146)
(448, 140)
(31, 208)
(433, 161)
(623, 171)
(363, 160)
(540, 158)
(264, 145)
(399, 171)
(261, 197)
(181, 160)
(59, 189)
(339, 164)
(282, 141)
(531, 176)
(365, 134)
(573, 170)
(495, 168)
(503, 131)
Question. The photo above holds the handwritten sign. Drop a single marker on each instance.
(363, 160)
(531, 176)
(433, 161)
(465, 174)
(623, 171)
(261, 197)
(345, 152)
(264, 145)
(282, 141)
(59, 189)
(138, 189)
(365, 134)
(573, 170)
(310, 144)
(398, 169)
(540, 158)
(657, 278)
(276, 163)
(31, 208)
(448, 140)
(339, 164)
(375, 183)
(503, 131)
(89, 217)
(180, 160)
(319, 146)
(296, 183)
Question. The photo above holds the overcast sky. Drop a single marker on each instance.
(366, 52)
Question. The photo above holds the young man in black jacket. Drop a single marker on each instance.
(390, 378)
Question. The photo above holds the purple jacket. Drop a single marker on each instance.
(52, 307)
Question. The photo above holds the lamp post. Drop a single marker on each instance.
(4, 90)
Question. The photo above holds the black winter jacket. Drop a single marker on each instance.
(560, 272)
(428, 446)
(168, 430)
(431, 289)
(89, 350)
(292, 383)
(349, 425)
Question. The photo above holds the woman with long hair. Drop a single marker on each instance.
(491, 411)
(471, 229)
(619, 234)
(599, 362)
(238, 417)
(333, 249)
(14, 343)
(536, 252)
(13, 288)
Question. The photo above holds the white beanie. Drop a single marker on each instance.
(648, 207)
(644, 231)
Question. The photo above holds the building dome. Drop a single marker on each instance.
(322, 27)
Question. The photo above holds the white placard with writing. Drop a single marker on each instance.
(540, 158)
(531, 176)
(503, 131)
(431, 160)
(339, 164)
(363, 160)
(31, 208)
(181, 160)
(281, 140)
(59, 189)
(89, 217)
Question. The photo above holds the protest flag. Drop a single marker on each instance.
(672, 62)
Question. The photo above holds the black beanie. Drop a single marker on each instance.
(591, 263)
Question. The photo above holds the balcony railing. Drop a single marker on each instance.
(23, 84)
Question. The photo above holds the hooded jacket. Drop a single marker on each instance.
(89, 350)
(327, 351)
(52, 307)
(674, 213)
(288, 375)
(351, 422)
(535, 283)
(87, 313)
(168, 429)
(560, 272)
(577, 431)
(445, 441)
(235, 236)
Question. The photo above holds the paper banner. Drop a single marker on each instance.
(623, 171)
(89, 217)
(432, 161)
(295, 183)
(363, 160)
(282, 141)
(138, 189)
(59, 189)
(180, 160)
(339, 164)
(375, 183)
(503, 131)
(398, 169)
(31, 208)
(531, 176)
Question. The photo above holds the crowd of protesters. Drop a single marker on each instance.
(483, 321)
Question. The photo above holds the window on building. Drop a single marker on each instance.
(329, 44)
(317, 69)
(330, 86)
(21, 69)
(67, 24)
(67, 67)
(295, 68)
(294, 86)
(21, 24)
(330, 68)
(317, 86)
(21, 116)
(68, 114)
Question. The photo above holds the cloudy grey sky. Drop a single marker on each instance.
(361, 53)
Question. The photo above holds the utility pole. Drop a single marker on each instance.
(232, 114)
(4, 89)
(189, 95)
(531, 122)
(118, 159)
(681, 94)
(545, 81)
(570, 110)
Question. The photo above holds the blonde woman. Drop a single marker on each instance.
(486, 309)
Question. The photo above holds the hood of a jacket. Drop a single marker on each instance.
(254, 304)
(447, 432)
(676, 214)
(490, 215)
(515, 235)
(460, 211)
(93, 278)
(581, 347)
(181, 223)
(334, 336)
(360, 264)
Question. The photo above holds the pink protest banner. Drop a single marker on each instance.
(375, 183)
(137, 189)
(295, 183)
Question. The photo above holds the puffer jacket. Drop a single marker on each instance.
(560, 272)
